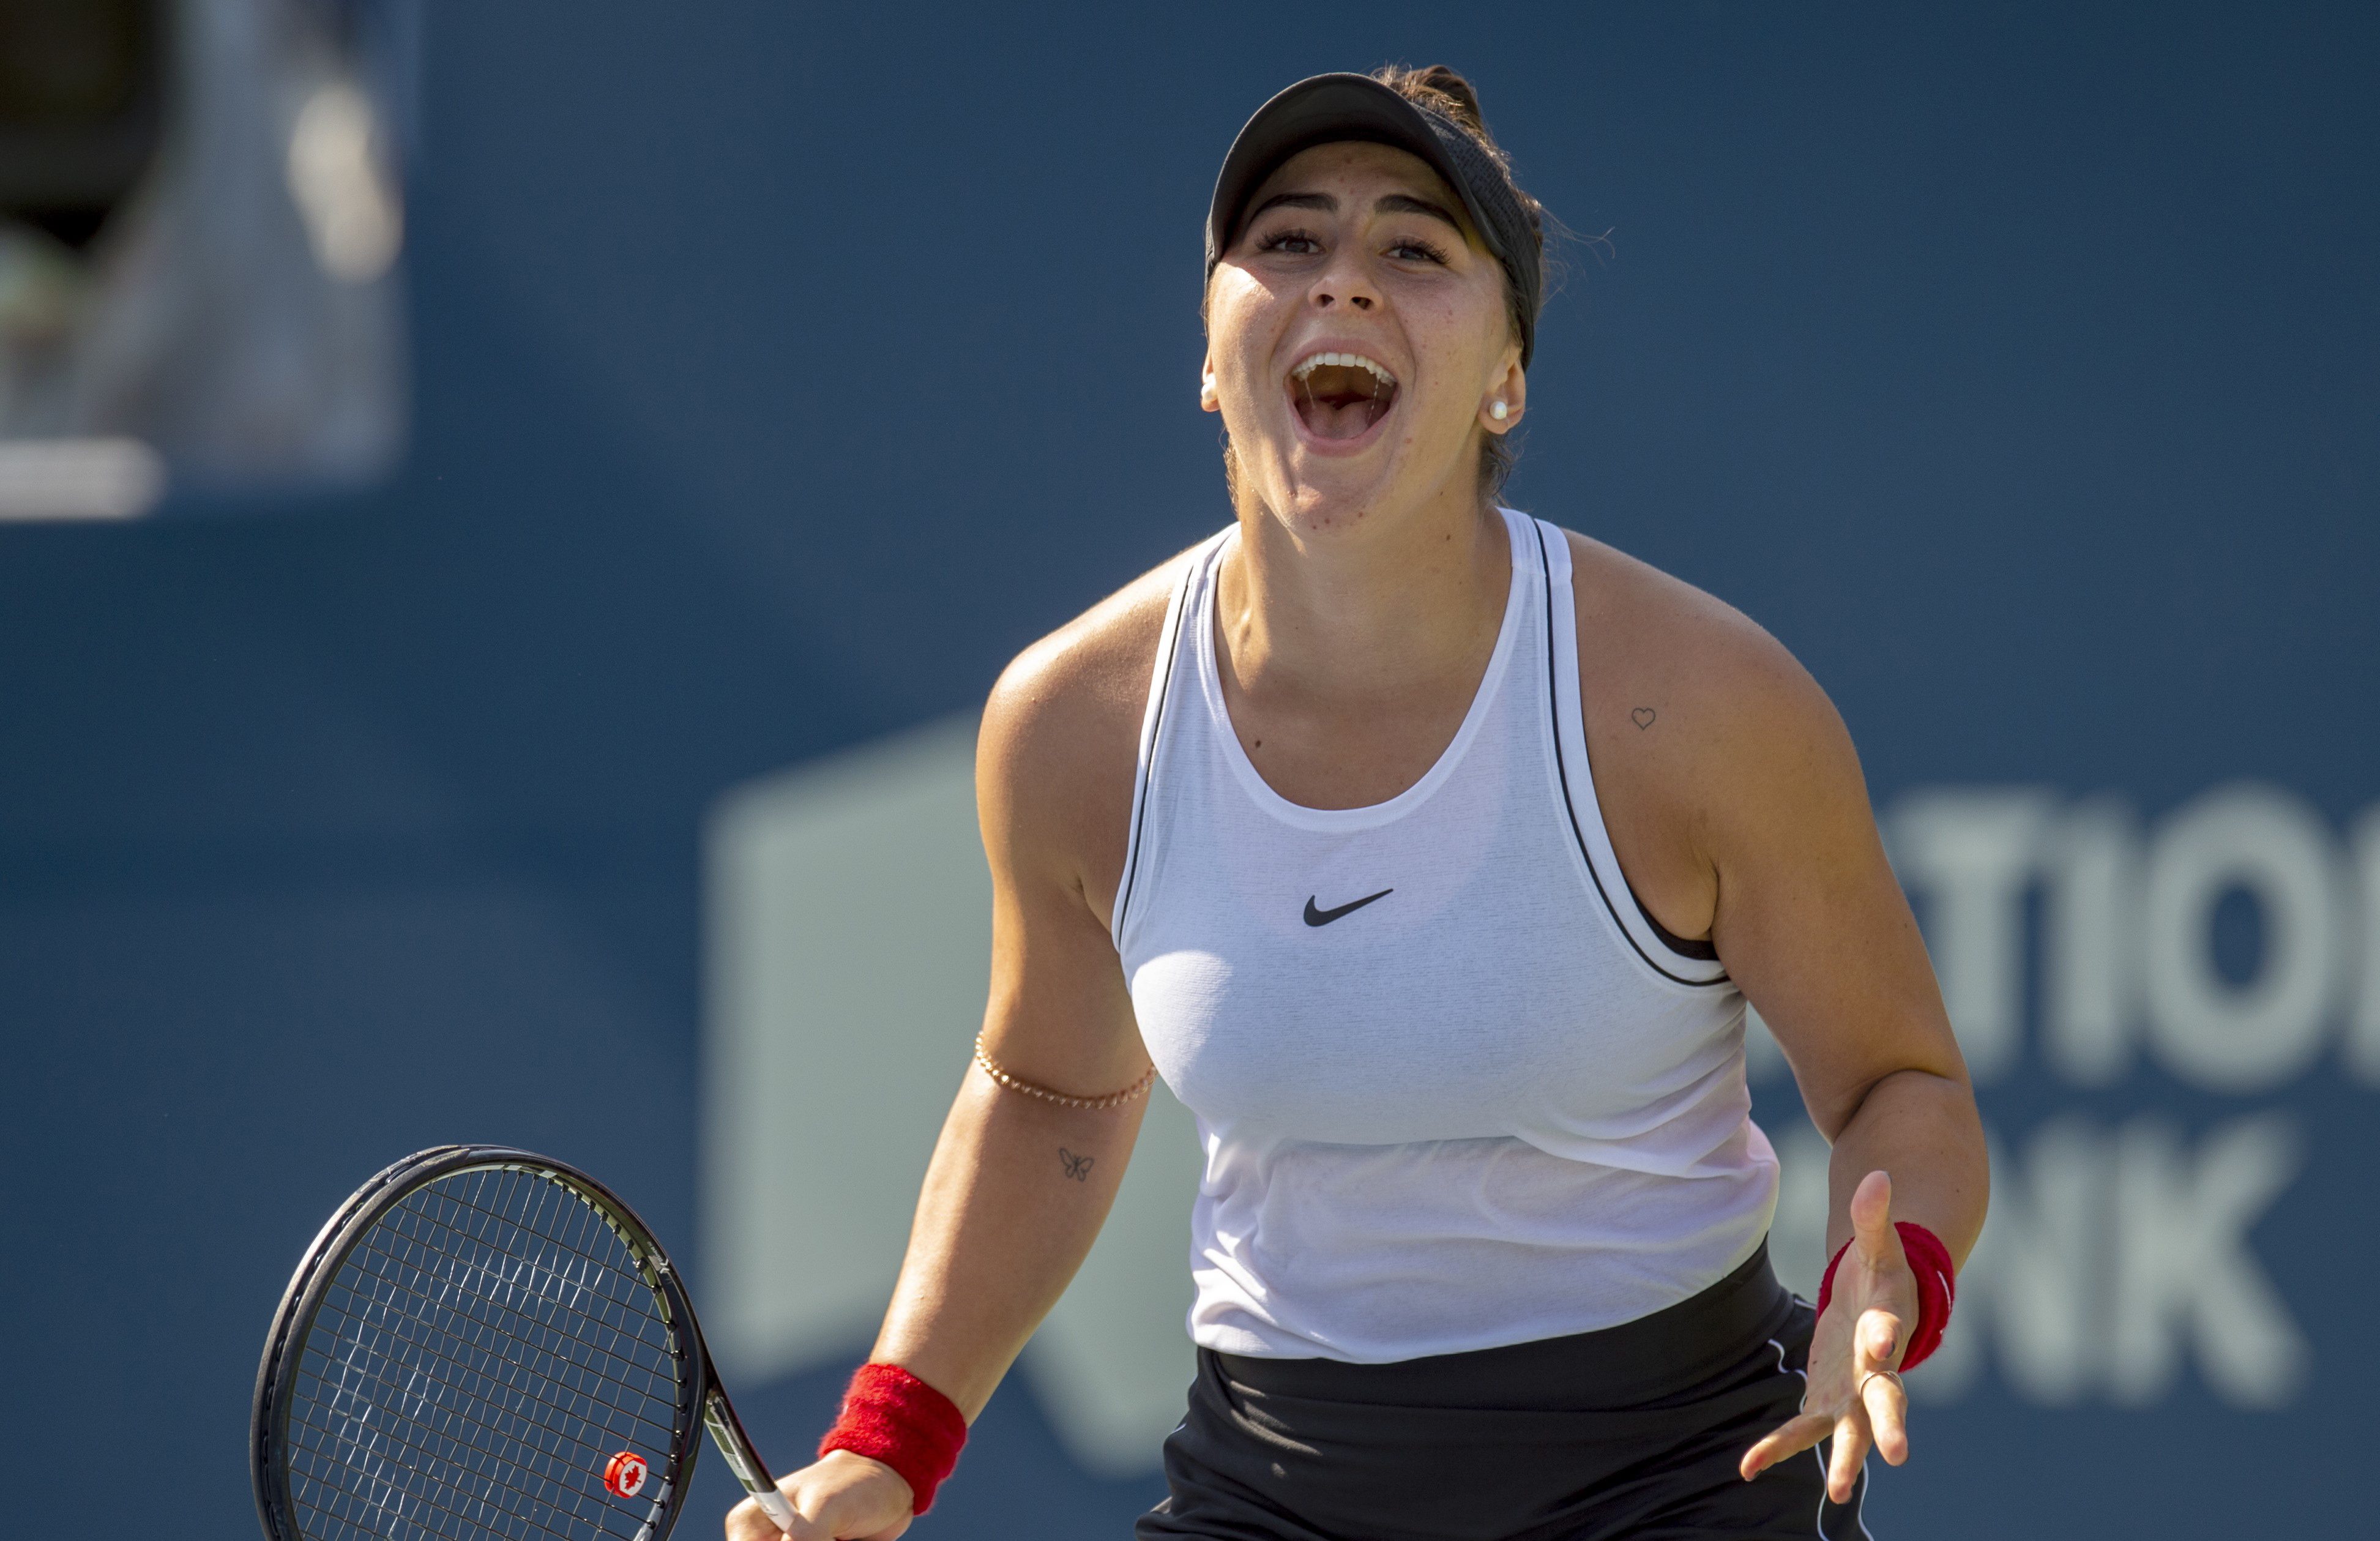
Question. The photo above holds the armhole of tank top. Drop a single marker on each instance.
(1674, 958)
(1152, 723)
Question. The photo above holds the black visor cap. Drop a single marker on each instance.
(1330, 109)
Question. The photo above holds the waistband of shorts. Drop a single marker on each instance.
(1666, 1353)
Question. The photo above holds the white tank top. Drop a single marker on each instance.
(1456, 1088)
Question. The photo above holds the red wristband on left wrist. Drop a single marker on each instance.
(1937, 1288)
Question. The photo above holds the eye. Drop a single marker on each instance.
(1293, 241)
(1412, 248)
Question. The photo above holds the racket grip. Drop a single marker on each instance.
(772, 1503)
(727, 1432)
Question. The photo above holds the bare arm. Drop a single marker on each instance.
(1005, 1220)
(1018, 1186)
(1813, 926)
(1736, 802)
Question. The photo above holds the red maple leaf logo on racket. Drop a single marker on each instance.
(625, 1473)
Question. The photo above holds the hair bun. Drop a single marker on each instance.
(1459, 93)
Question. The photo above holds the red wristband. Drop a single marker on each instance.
(1937, 1288)
(890, 1415)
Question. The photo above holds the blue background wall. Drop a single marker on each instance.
(780, 369)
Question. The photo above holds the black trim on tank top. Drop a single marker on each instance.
(1142, 774)
(1561, 771)
(1684, 947)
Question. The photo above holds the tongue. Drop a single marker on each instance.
(1338, 401)
(1346, 418)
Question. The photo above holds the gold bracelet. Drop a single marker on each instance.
(1113, 1099)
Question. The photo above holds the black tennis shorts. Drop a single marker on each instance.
(1631, 1432)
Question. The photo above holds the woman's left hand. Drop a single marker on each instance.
(1853, 1394)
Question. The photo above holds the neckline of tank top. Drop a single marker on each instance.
(1370, 815)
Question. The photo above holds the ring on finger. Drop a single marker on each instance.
(1893, 1376)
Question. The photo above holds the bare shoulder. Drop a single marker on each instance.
(1054, 762)
(1718, 670)
(1703, 730)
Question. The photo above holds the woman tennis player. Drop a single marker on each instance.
(1431, 853)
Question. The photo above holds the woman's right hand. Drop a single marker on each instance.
(841, 1497)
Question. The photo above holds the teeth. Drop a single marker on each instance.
(1344, 361)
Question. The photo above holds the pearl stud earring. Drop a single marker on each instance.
(1497, 411)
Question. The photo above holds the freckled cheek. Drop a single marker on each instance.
(1438, 363)
(1451, 330)
(1244, 361)
(1243, 318)
(1446, 341)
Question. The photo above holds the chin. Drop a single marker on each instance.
(1328, 505)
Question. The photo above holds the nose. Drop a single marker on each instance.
(1345, 282)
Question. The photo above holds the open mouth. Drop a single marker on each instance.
(1341, 396)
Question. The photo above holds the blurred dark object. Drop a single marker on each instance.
(200, 216)
(82, 109)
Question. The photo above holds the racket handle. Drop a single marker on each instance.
(727, 1432)
(772, 1503)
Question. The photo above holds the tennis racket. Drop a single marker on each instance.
(487, 1344)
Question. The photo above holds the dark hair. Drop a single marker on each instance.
(1439, 89)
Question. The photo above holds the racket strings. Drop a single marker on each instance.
(526, 1283)
(388, 1449)
(479, 1356)
(529, 1346)
(348, 1325)
(546, 1286)
(380, 1505)
(385, 1435)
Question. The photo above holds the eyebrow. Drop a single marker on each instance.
(1323, 202)
(1402, 203)
(1390, 203)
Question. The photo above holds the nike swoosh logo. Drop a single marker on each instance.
(1324, 917)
